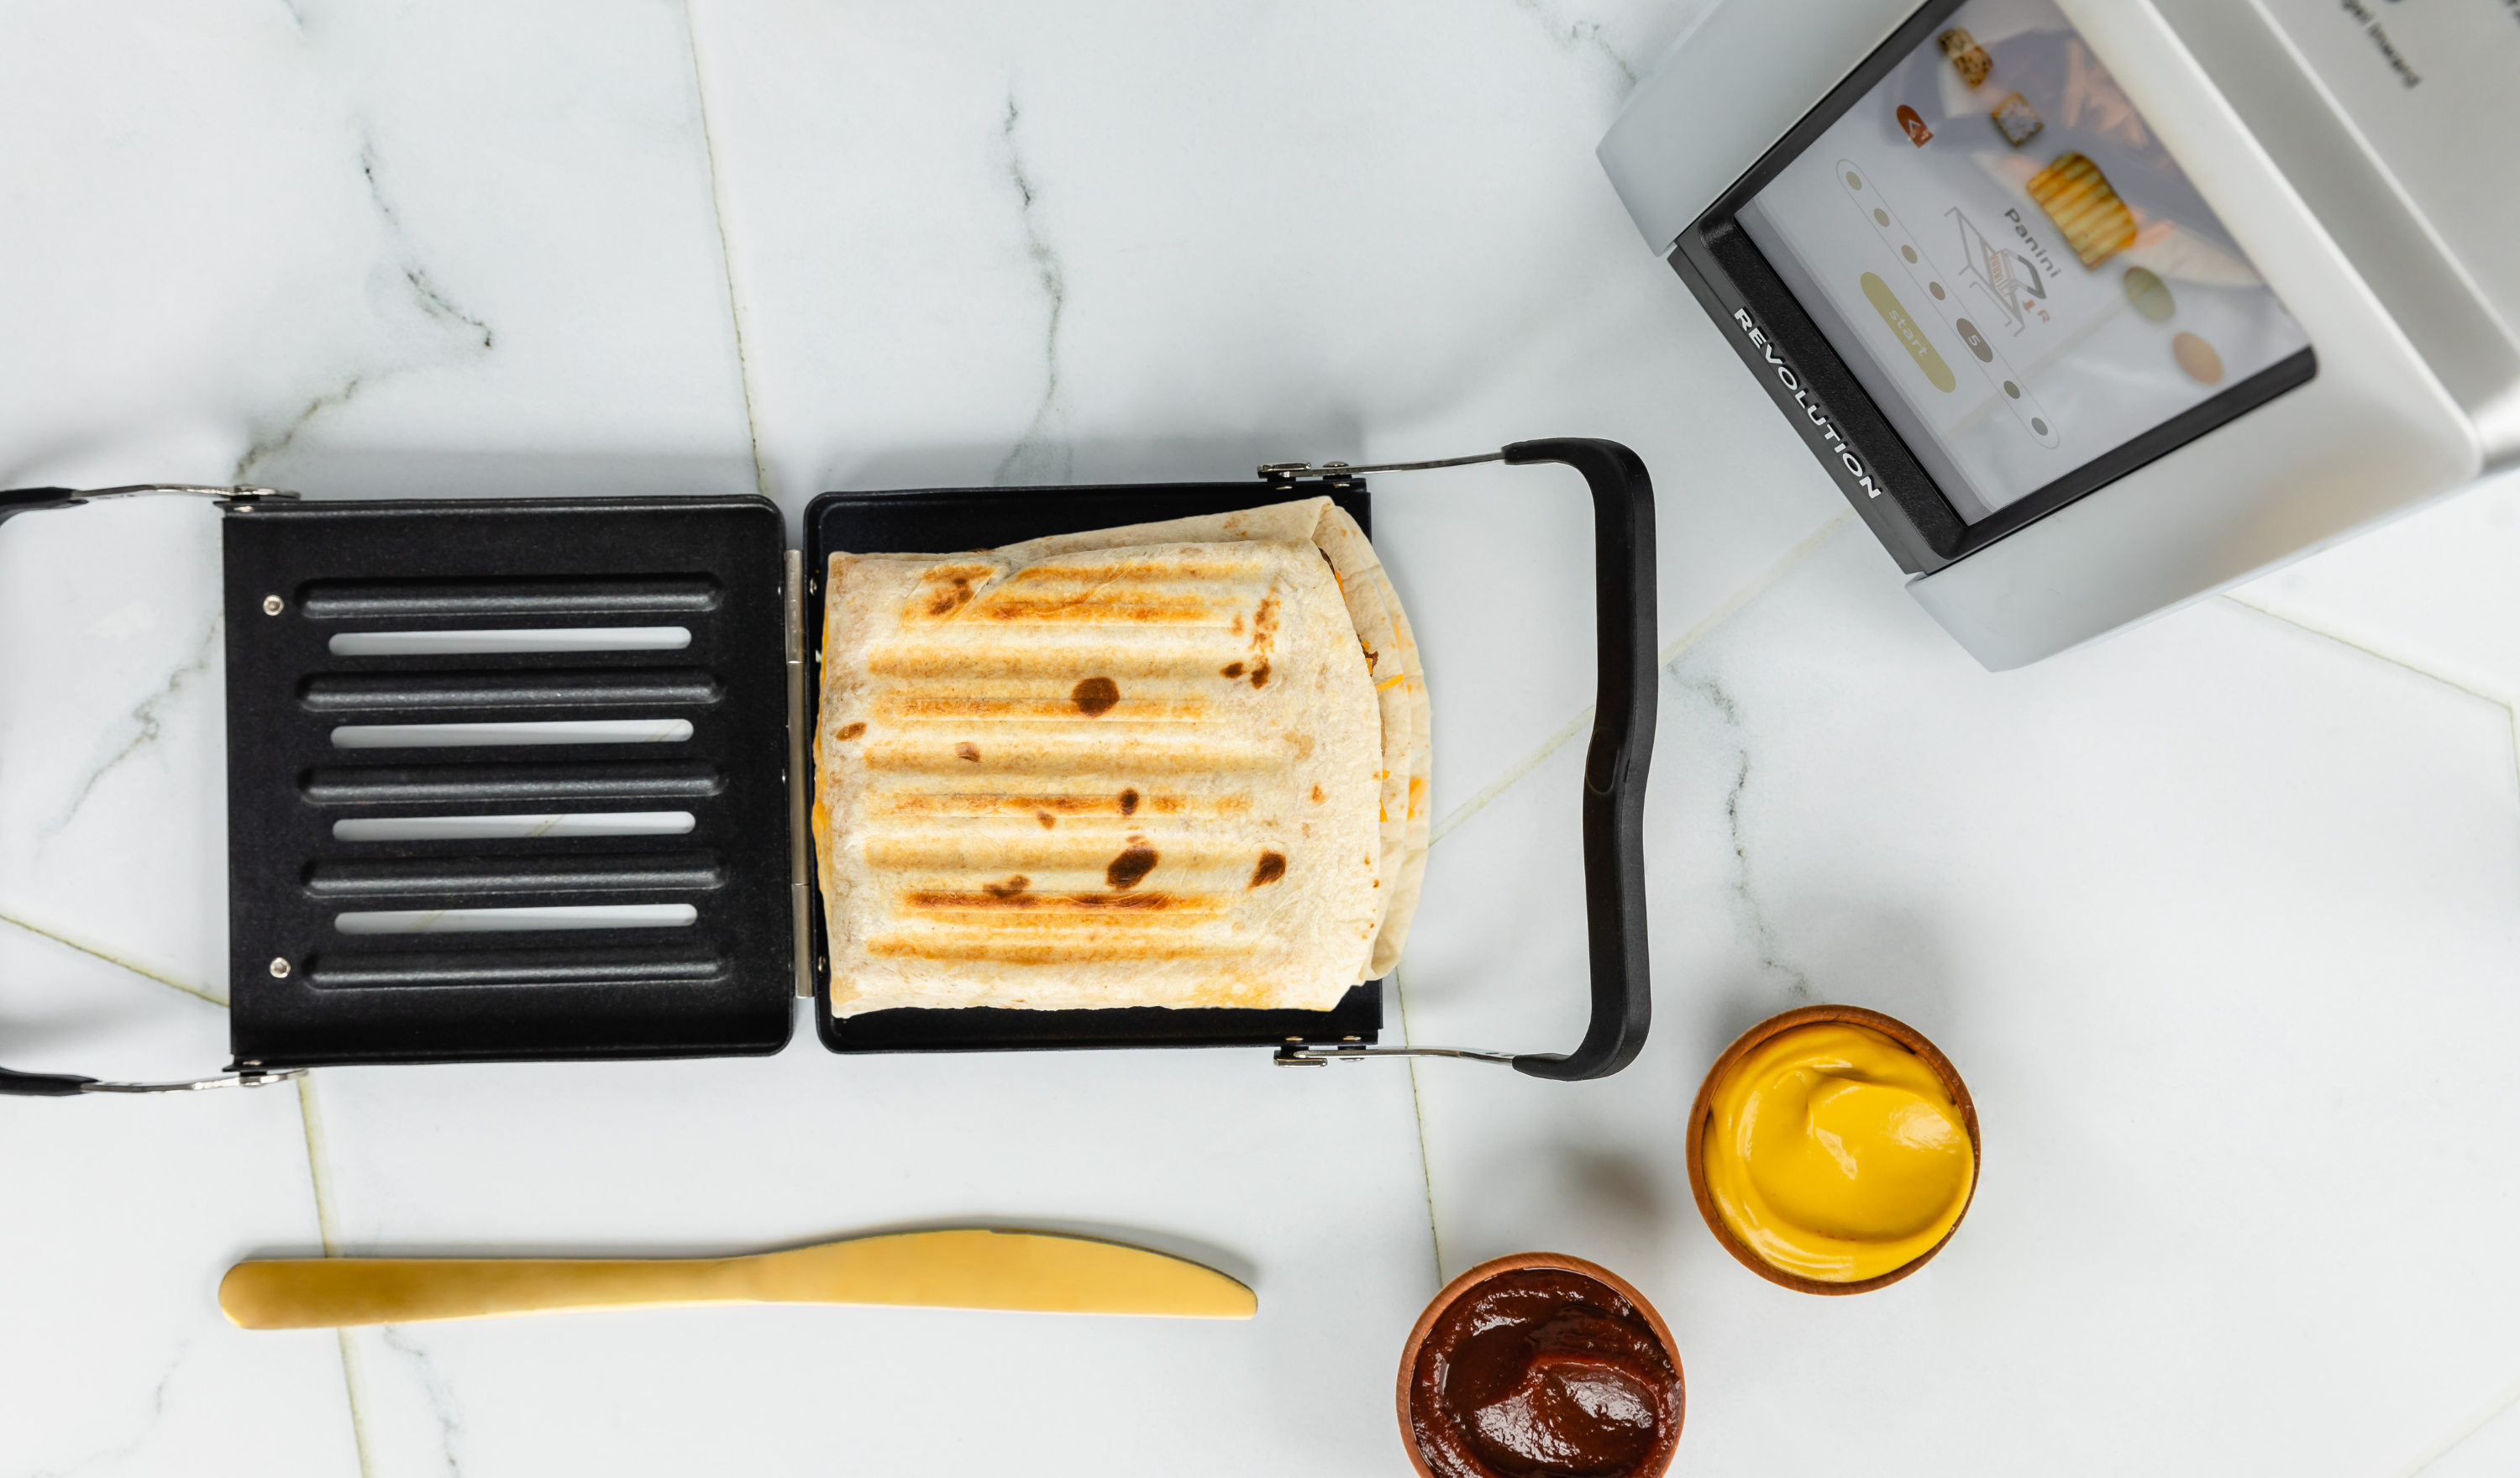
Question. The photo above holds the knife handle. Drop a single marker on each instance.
(310, 1293)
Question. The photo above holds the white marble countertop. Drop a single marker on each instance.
(2219, 918)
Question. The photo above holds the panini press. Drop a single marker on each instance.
(689, 611)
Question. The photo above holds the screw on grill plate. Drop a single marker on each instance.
(271, 604)
(280, 969)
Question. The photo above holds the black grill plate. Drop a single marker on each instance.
(711, 566)
(947, 519)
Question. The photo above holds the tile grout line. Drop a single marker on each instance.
(2507, 703)
(117, 961)
(1417, 1106)
(2502, 1403)
(1498, 787)
(725, 254)
(1755, 586)
(2499, 701)
(1750, 590)
(320, 1178)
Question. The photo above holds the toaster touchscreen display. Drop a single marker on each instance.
(2009, 260)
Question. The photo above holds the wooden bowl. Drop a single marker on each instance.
(1703, 1111)
(1452, 1292)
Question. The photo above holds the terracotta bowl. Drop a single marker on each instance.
(1703, 1110)
(1488, 1270)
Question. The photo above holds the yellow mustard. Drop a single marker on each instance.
(1833, 1152)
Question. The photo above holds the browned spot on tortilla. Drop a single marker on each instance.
(1130, 867)
(968, 750)
(1233, 670)
(1172, 805)
(947, 588)
(1128, 802)
(851, 730)
(1047, 820)
(1319, 794)
(1237, 623)
(1096, 696)
(1260, 673)
(1009, 888)
(1272, 866)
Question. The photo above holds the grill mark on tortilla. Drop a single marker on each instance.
(1043, 708)
(1084, 911)
(978, 803)
(1052, 755)
(992, 946)
(1070, 858)
(1052, 658)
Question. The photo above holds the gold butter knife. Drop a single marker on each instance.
(940, 1270)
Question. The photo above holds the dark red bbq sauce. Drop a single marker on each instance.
(1540, 1372)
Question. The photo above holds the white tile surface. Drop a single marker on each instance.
(1305, 1184)
(2439, 589)
(456, 246)
(112, 733)
(969, 256)
(2489, 1444)
(124, 1213)
(2216, 918)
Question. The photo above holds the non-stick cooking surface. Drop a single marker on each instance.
(945, 520)
(318, 758)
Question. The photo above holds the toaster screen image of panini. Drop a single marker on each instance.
(1172, 765)
(2077, 196)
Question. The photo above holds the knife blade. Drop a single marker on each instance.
(966, 1268)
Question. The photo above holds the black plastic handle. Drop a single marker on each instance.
(41, 1085)
(1614, 772)
(34, 500)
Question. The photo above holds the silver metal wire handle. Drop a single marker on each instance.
(1614, 768)
(224, 1080)
(1276, 469)
(24, 500)
(1299, 1053)
(239, 498)
(1296, 1053)
(144, 489)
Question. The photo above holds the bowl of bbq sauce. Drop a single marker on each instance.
(1540, 1366)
